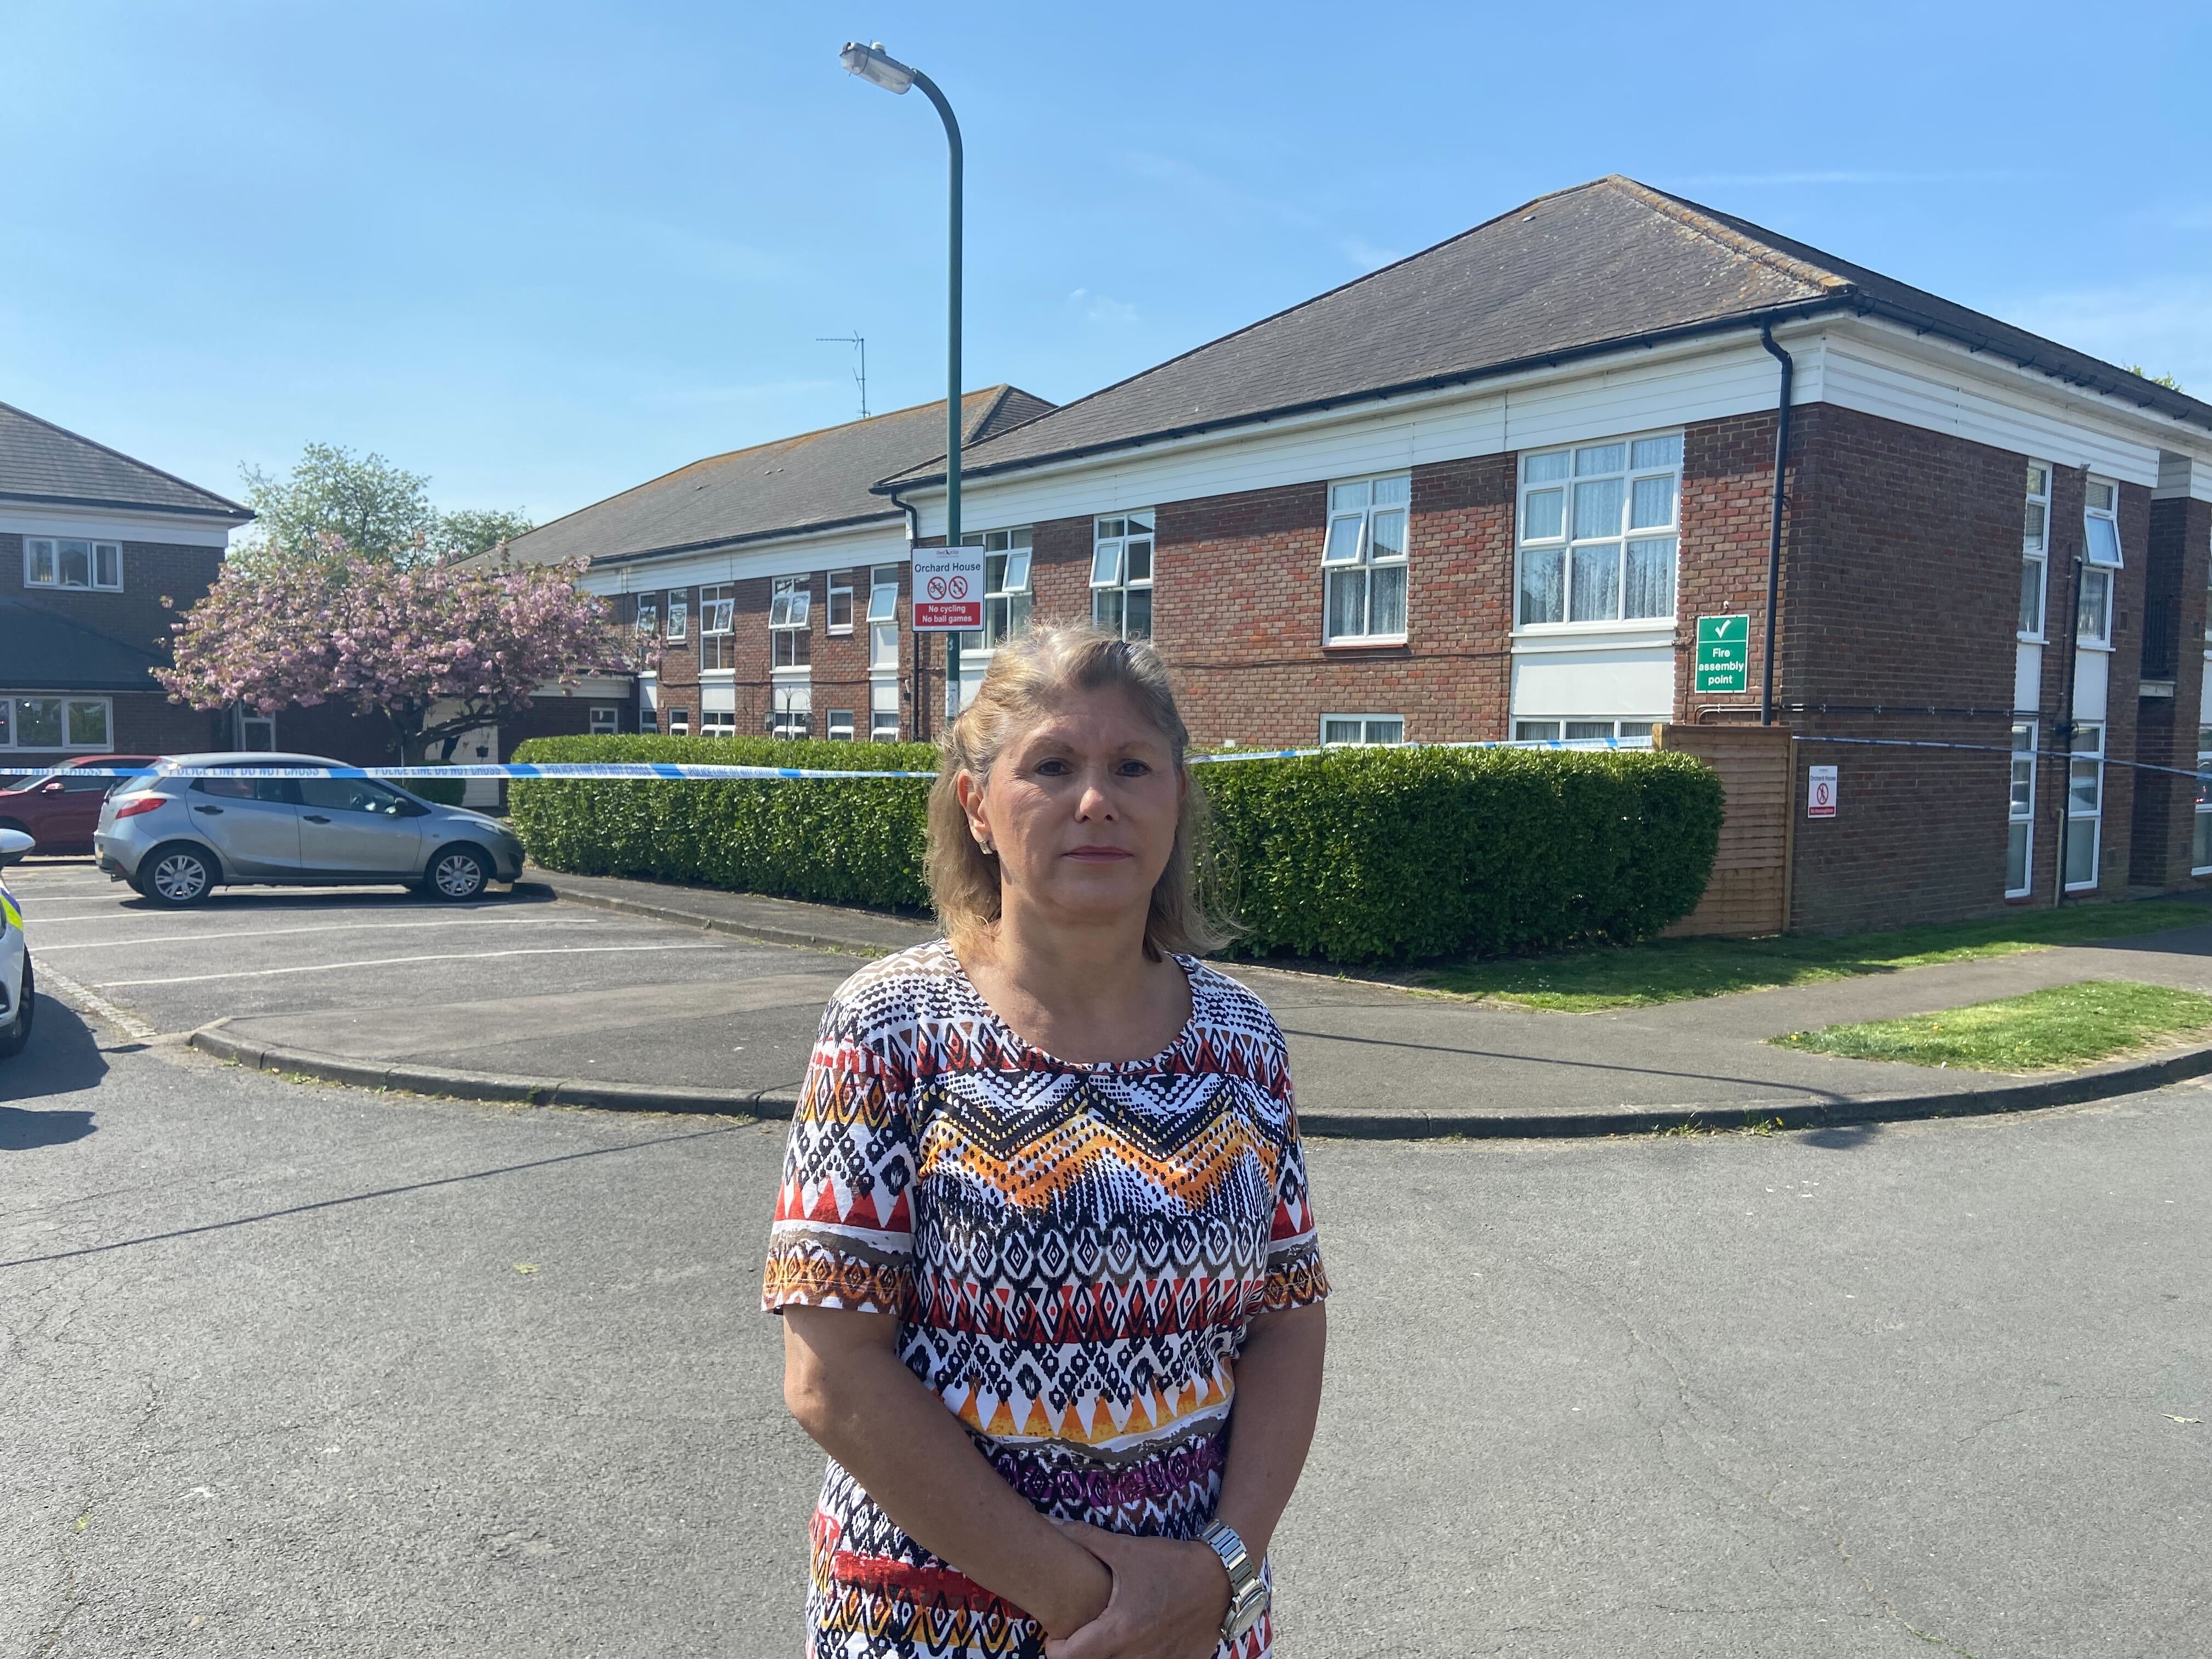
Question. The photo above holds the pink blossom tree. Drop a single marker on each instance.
(437, 649)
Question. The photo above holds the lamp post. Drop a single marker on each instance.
(873, 64)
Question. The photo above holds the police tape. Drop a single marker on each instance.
(670, 772)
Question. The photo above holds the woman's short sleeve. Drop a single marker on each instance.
(843, 1234)
(1294, 1276)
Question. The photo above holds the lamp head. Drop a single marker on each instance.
(874, 63)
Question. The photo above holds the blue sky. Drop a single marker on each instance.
(543, 251)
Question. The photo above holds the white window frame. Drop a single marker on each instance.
(791, 711)
(1560, 472)
(718, 722)
(679, 619)
(2020, 813)
(2097, 575)
(249, 728)
(791, 599)
(42, 563)
(840, 726)
(882, 593)
(606, 719)
(2078, 759)
(648, 619)
(679, 722)
(840, 583)
(883, 648)
(1370, 737)
(2035, 549)
(11, 726)
(1114, 538)
(1353, 512)
(1631, 732)
(2200, 840)
(1007, 590)
(718, 607)
(883, 710)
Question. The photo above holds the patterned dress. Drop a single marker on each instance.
(1074, 1252)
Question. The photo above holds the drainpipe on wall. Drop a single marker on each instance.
(921, 639)
(1774, 530)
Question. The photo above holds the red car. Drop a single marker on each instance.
(60, 813)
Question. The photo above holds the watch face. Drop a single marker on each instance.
(1246, 1610)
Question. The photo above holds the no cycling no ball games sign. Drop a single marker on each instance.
(948, 589)
(1724, 653)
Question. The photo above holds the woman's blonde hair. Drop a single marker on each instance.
(1030, 676)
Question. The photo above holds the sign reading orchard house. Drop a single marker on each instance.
(948, 589)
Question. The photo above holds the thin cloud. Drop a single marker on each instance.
(1102, 307)
(1365, 255)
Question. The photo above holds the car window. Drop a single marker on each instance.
(349, 795)
(225, 788)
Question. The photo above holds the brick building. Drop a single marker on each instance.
(99, 554)
(1488, 492)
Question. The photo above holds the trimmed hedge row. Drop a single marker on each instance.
(1356, 855)
(839, 843)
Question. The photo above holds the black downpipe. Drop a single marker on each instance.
(1774, 530)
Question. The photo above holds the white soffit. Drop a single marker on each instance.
(29, 519)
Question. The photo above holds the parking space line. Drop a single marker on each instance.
(395, 961)
(280, 933)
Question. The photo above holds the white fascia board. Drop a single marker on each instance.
(1632, 391)
(2183, 478)
(110, 524)
(793, 556)
(1880, 367)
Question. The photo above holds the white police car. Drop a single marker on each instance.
(17, 1000)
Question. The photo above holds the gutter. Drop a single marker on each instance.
(234, 516)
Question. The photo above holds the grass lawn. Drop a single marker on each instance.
(2062, 1027)
(1671, 970)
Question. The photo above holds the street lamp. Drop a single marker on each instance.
(872, 63)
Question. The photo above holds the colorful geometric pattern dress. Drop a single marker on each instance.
(1074, 1252)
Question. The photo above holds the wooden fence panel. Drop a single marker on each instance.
(1749, 892)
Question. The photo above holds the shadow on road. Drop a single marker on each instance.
(251, 900)
(62, 1058)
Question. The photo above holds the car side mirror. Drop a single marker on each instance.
(14, 844)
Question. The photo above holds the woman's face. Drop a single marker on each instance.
(1082, 809)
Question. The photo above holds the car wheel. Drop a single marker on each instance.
(176, 876)
(457, 874)
(17, 1032)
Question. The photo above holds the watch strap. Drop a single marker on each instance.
(1248, 1590)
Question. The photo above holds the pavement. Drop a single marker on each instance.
(300, 1369)
(624, 993)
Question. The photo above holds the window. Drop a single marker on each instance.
(882, 593)
(648, 721)
(1363, 729)
(648, 619)
(718, 723)
(2034, 550)
(2085, 805)
(2019, 829)
(257, 733)
(350, 795)
(55, 723)
(883, 646)
(787, 623)
(718, 648)
(840, 619)
(604, 720)
(1006, 587)
(1363, 560)
(841, 726)
(1122, 575)
(2100, 525)
(65, 562)
(883, 711)
(1597, 532)
(679, 722)
(792, 714)
(1582, 731)
(2200, 845)
(679, 619)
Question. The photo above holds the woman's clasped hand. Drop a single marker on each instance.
(1168, 1600)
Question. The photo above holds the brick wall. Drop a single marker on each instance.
(1727, 519)
(152, 572)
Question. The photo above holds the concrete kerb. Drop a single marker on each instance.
(2076, 1088)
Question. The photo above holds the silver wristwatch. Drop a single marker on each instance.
(1247, 1591)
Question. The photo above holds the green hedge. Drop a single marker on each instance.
(840, 843)
(1391, 854)
(444, 792)
(1357, 855)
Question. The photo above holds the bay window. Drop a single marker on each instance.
(1122, 575)
(1598, 531)
(1364, 561)
(2034, 550)
(68, 562)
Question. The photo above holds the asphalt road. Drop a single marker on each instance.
(297, 1368)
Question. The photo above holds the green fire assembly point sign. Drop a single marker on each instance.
(1724, 654)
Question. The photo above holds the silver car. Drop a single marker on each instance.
(177, 838)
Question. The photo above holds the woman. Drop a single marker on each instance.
(1052, 1302)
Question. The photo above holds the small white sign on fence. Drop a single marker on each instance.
(1819, 792)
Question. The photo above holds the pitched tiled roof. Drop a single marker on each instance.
(43, 650)
(818, 481)
(40, 462)
(1605, 264)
